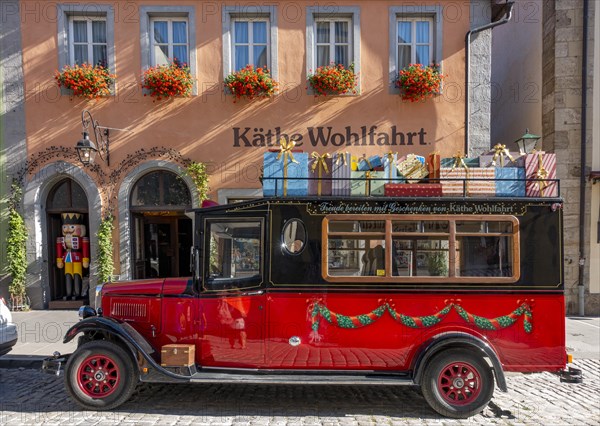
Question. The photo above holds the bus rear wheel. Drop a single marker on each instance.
(100, 375)
(457, 383)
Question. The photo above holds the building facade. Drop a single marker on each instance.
(144, 185)
(540, 86)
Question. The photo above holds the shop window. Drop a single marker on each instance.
(160, 189)
(249, 38)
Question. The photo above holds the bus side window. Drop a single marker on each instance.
(234, 255)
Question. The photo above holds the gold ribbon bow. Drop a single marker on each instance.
(500, 151)
(367, 181)
(459, 161)
(341, 159)
(285, 151)
(364, 158)
(541, 174)
(320, 165)
(391, 165)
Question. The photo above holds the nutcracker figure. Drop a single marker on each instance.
(73, 253)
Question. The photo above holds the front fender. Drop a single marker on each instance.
(457, 340)
(126, 334)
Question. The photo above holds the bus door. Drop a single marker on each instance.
(232, 296)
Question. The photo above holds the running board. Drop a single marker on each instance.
(301, 379)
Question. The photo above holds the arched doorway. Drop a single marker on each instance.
(162, 234)
(64, 197)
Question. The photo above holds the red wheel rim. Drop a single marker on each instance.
(98, 376)
(459, 383)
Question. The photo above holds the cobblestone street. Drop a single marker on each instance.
(30, 397)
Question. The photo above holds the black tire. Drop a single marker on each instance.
(457, 383)
(101, 375)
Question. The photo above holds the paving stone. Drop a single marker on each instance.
(30, 397)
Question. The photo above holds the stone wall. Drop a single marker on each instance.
(12, 117)
(561, 116)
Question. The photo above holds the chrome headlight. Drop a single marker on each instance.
(98, 296)
(86, 312)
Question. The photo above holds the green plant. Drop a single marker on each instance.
(16, 248)
(250, 83)
(417, 82)
(105, 249)
(86, 81)
(437, 264)
(167, 81)
(197, 172)
(333, 80)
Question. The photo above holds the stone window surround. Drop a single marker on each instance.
(312, 12)
(67, 10)
(396, 12)
(249, 12)
(148, 12)
(124, 214)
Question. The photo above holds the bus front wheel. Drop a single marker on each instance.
(457, 383)
(100, 375)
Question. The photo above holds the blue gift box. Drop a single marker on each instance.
(371, 163)
(510, 188)
(470, 162)
(273, 182)
(389, 166)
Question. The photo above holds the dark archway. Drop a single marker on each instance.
(162, 234)
(66, 196)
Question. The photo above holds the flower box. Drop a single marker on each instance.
(250, 83)
(417, 82)
(86, 81)
(168, 81)
(333, 80)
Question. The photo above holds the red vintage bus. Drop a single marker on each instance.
(444, 293)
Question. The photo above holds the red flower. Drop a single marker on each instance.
(166, 81)
(417, 82)
(251, 83)
(86, 81)
(333, 80)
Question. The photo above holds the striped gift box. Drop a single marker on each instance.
(341, 168)
(547, 162)
(484, 187)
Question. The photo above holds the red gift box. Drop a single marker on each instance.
(412, 190)
(541, 165)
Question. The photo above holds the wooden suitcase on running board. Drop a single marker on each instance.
(177, 355)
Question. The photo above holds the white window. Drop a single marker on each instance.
(250, 41)
(169, 38)
(88, 41)
(333, 41)
(414, 42)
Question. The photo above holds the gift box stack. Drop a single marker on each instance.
(498, 173)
